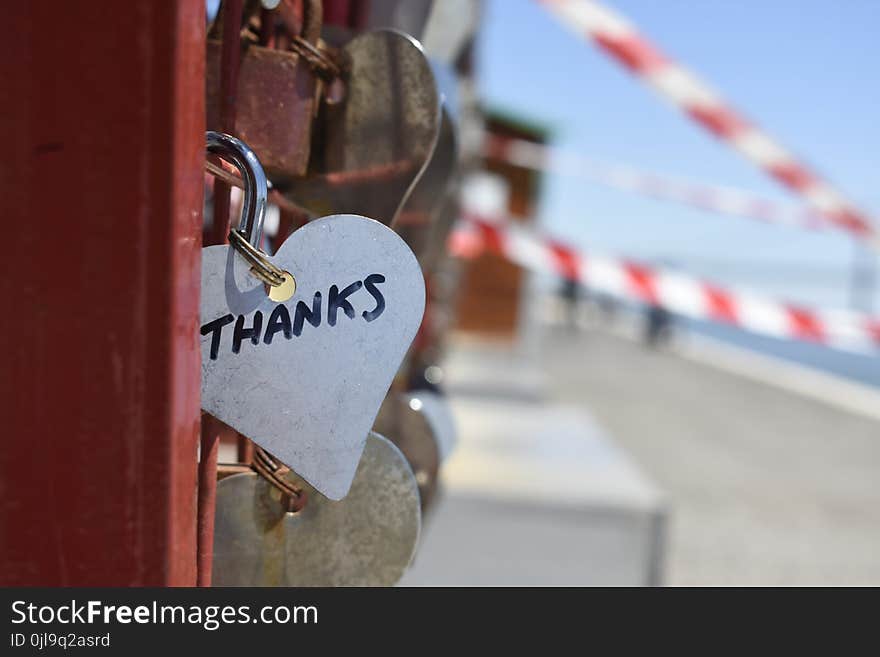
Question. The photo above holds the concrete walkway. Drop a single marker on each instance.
(536, 494)
(765, 486)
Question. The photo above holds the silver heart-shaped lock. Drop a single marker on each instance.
(304, 377)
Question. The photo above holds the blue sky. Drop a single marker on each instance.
(805, 71)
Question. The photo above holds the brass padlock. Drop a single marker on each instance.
(276, 98)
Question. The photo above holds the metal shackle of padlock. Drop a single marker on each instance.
(247, 238)
(253, 211)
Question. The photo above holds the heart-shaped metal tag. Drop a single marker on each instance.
(379, 139)
(304, 378)
(367, 539)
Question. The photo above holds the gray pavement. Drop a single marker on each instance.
(536, 493)
(475, 540)
(765, 486)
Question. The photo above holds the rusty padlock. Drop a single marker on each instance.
(276, 95)
(374, 141)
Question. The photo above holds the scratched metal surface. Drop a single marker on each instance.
(311, 400)
(366, 539)
(379, 139)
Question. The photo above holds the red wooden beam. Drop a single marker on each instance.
(103, 128)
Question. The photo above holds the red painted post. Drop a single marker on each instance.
(337, 12)
(103, 133)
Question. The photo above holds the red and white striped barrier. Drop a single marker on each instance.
(677, 292)
(617, 37)
(713, 198)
